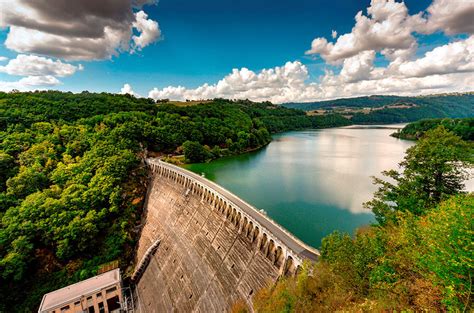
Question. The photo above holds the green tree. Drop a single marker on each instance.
(433, 169)
(195, 152)
(448, 249)
(15, 262)
(27, 181)
(7, 168)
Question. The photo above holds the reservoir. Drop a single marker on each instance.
(312, 182)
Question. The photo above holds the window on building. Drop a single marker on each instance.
(113, 303)
(101, 307)
(65, 308)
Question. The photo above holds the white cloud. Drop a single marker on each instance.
(399, 86)
(38, 72)
(149, 30)
(76, 30)
(451, 16)
(127, 89)
(358, 67)
(387, 28)
(334, 34)
(3, 59)
(31, 65)
(47, 80)
(455, 57)
(276, 84)
(29, 83)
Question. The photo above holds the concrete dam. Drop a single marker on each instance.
(202, 248)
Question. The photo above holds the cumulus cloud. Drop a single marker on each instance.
(37, 71)
(76, 30)
(47, 80)
(30, 82)
(127, 89)
(149, 30)
(388, 28)
(451, 58)
(31, 65)
(452, 17)
(455, 57)
(3, 59)
(276, 84)
(358, 67)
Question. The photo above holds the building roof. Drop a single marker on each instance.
(75, 291)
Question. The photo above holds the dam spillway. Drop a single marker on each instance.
(202, 248)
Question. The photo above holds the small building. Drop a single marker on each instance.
(99, 294)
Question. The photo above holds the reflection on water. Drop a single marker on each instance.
(312, 182)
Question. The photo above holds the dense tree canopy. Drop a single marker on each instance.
(462, 127)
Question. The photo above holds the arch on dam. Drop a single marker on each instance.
(214, 247)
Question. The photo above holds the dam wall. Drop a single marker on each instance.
(202, 248)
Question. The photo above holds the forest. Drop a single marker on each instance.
(417, 257)
(396, 109)
(73, 180)
(462, 127)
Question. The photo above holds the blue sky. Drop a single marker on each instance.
(202, 41)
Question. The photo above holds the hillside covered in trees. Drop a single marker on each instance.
(394, 109)
(419, 255)
(73, 181)
(462, 127)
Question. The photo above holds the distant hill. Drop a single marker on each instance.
(394, 109)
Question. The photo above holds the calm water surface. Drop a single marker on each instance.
(311, 182)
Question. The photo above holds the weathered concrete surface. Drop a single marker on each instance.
(202, 264)
(239, 210)
(202, 248)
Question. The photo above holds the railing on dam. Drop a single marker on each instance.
(275, 242)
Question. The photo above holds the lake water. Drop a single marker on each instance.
(312, 182)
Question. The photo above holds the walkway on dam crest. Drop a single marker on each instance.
(302, 250)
